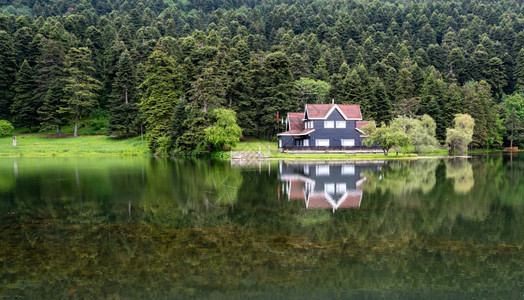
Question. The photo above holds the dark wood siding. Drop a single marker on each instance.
(335, 135)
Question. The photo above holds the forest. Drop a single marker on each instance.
(184, 72)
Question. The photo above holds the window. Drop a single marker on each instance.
(348, 170)
(306, 143)
(329, 124)
(341, 188)
(279, 143)
(323, 170)
(347, 142)
(329, 188)
(322, 143)
(341, 124)
(311, 124)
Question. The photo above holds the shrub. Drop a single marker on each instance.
(6, 128)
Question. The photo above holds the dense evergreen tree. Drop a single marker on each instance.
(479, 104)
(80, 86)
(248, 58)
(123, 101)
(49, 115)
(7, 73)
(161, 91)
(24, 108)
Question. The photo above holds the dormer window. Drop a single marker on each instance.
(309, 124)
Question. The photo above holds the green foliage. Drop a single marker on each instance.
(310, 91)
(420, 131)
(416, 58)
(164, 146)
(80, 86)
(479, 104)
(160, 93)
(459, 137)
(387, 137)
(224, 131)
(515, 127)
(24, 108)
(123, 99)
(6, 128)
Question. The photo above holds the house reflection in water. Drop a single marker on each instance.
(324, 186)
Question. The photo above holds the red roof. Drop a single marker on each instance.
(321, 111)
(352, 200)
(361, 124)
(297, 132)
(318, 201)
(296, 191)
(295, 121)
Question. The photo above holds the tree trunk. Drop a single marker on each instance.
(76, 122)
(58, 131)
(76, 126)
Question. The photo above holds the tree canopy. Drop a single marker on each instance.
(393, 58)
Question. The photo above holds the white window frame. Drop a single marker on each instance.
(348, 170)
(340, 124)
(347, 142)
(306, 143)
(340, 188)
(318, 142)
(329, 124)
(322, 170)
(311, 124)
(329, 188)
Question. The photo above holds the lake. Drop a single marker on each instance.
(152, 228)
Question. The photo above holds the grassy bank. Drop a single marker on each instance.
(81, 146)
(272, 148)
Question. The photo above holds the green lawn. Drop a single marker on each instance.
(80, 146)
(272, 148)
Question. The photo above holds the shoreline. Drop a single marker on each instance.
(39, 146)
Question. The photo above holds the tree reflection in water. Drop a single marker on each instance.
(142, 228)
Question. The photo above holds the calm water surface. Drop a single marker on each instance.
(148, 228)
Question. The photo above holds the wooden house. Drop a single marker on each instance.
(325, 126)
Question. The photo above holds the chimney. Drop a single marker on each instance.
(332, 101)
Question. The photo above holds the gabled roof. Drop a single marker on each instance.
(361, 124)
(322, 111)
(297, 132)
(295, 121)
(350, 199)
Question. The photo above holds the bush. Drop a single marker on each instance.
(6, 128)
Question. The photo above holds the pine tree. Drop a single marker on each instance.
(7, 73)
(49, 69)
(123, 100)
(478, 102)
(24, 108)
(384, 112)
(161, 91)
(80, 86)
(48, 113)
